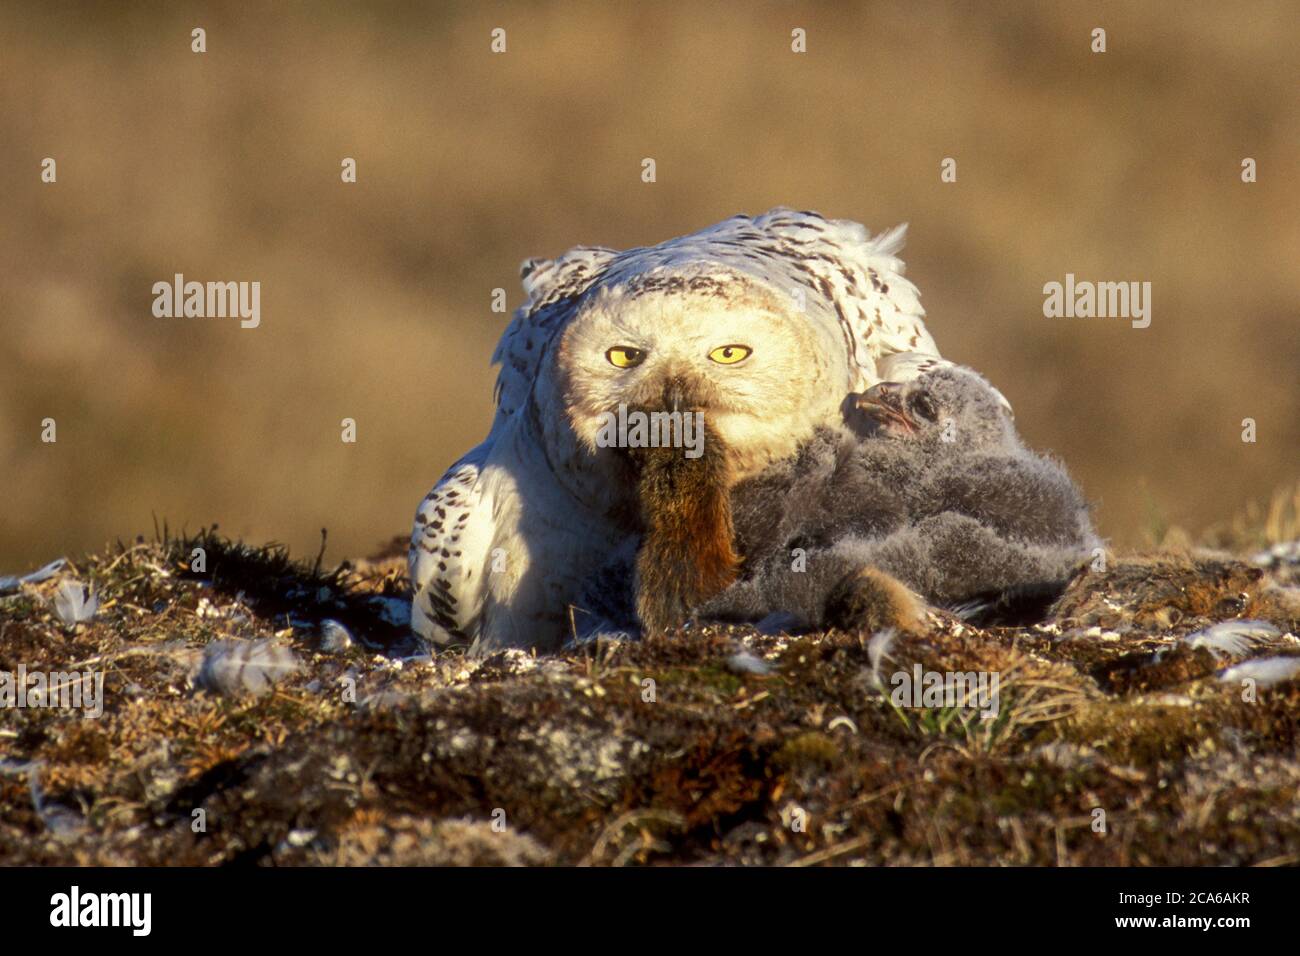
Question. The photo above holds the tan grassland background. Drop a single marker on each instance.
(376, 296)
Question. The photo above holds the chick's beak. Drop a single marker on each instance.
(884, 403)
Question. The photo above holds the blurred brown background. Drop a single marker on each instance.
(376, 296)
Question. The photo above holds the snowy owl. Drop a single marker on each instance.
(767, 325)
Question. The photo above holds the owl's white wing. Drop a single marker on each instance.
(905, 366)
(450, 552)
(456, 524)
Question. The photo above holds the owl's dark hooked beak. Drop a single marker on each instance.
(679, 395)
(884, 403)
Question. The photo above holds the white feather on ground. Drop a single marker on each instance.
(878, 650)
(1285, 552)
(1233, 637)
(746, 662)
(12, 582)
(232, 667)
(334, 637)
(1264, 671)
(75, 603)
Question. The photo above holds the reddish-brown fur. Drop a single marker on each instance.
(687, 554)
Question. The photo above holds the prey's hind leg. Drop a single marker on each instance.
(828, 587)
(868, 599)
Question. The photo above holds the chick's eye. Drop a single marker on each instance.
(924, 406)
(730, 354)
(624, 356)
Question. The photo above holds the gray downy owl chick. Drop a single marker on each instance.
(972, 460)
(945, 498)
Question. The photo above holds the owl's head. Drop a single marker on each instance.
(950, 406)
(699, 340)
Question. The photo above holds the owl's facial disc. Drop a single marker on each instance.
(764, 379)
(628, 356)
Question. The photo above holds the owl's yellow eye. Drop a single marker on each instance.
(730, 354)
(624, 356)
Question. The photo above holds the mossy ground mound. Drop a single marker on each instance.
(1105, 715)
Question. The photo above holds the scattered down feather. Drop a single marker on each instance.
(231, 667)
(334, 637)
(11, 582)
(746, 662)
(1233, 638)
(878, 649)
(1264, 671)
(75, 603)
